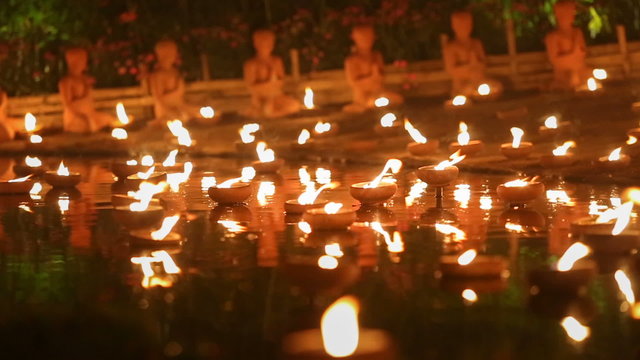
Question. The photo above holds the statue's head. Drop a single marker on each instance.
(76, 58)
(166, 52)
(264, 41)
(565, 11)
(363, 36)
(462, 23)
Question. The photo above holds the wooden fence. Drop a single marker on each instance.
(519, 71)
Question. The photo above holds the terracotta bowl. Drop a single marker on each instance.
(237, 193)
(303, 271)
(268, 167)
(588, 225)
(380, 194)
(522, 152)
(22, 187)
(294, 207)
(133, 181)
(121, 170)
(551, 161)
(634, 132)
(132, 220)
(483, 266)
(572, 281)
(520, 195)
(564, 127)
(57, 181)
(335, 129)
(473, 148)
(437, 178)
(394, 130)
(607, 165)
(320, 220)
(418, 149)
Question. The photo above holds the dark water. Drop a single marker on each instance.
(69, 289)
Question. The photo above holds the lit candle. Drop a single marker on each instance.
(31, 166)
(615, 161)
(267, 162)
(304, 141)
(181, 134)
(388, 125)
(569, 275)
(308, 99)
(324, 129)
(517, 149)
(378, 190)
(466, 146)
(333, 216)
(457, 101)
(233, 191)
(62, 178)
(560, 156)
(21, 185)
(420, 146)
(307, 200)
(520, 191)
(122, 169)
(207, 112)
(552, 126)
(442, 174)
(608, 233)
(141, 213)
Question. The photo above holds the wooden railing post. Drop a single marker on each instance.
(624, 50)
(295, 64)
(204, 66)
(511, 45)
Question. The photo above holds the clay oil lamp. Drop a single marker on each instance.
(247, 145)
(381, 102)
(339, 336)
(332, 217)
(388, 125)
(233, 191)
(170, 165)
(208, 116)
(307, 200)
(62, 178)
(608, 233)
(16, 186)
(600, 74)
(181, 134)
(484, 92)
(420, 145)
(516, 149)
(267, 162)
(324, 129)
(615, 161)
(552, 126)
(308, 99)
(122, 169)
(304, 142)
(151, 175)
(570, 274)
(140, 214)
(560, 156)
(31, 166)
(471, 265)
(442, 174)
(378, 190)
(519, 192)
(160, 237)
(457, 102)
(31, 126)
(466, 146)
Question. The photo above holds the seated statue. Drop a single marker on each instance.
(465, 59)
(365, 72)
(79, 114)
(167, 87)
(8, 125)
(567, 50)
(264, 76)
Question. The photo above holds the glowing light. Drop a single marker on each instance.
(167, 225)
(171, 159)
(632, 140)
(469, 295)
(514, 227)
(395, 244)
(414, 133)
(449, 230)
(176, 179)
(624, 284)
(388, 119)
(467, 257)
(463, 134)
(381, 102)
(592, 84)
(146, 174)
(22, 179)
(415, 192)
(144, 194)
(574, 253)
(615, 155)
(517, 134)
(393, 165)
(308, 98)
(265, 154)
(564, 148)
(62, 170)
(266, 190)
(34, 193)
(309, 196)
(462, 194)
(333, 250)
(180, 132)
(32, 161)
(232, 226)
(575, 330)
(305, 227)
(339, 327)
(332, 208)
(453, 159)
(516, 183)
(323, 176)
(131, 162)
(63, 204)
(207, 182)
(600, 74)
(248, 173)
(305, 177)
(327, 262)
(29, 122)
(623, 216)
(207, 112)
(147, 160)
(486, 203)
(35, 139)
(247, 133)
(484, 89)
(558, 197)
(304, 136)
(322, 127)
(459, 100)
(119, 134)
(123, 118)
(551, 122)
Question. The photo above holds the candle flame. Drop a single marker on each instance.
(517, 183)
(207, 182)
(551, 122)
(564, 148)
(517, 228)
(248, 173)
(395, 244)
(32, 161)
(592, 84)
(171, 158)
(393, 165)
(339, 327)
(415, 192)
(600, 74)
(388, 119)
(322, 127)
(22, 179)
(463, 134)
(177, 179)
(484, 89)
(574, 253)
(333, 250)
(308, 98)
(309, 196)
(62, 170)
(35, 139)
(144, 194)
(147, 160)
(517, 134)
(381, 102)
(459, 100)
(558, 197)
(305, 227)
(449, 230)
(305, 177)
(247, 132)
(414, 133)
(327, 262)
(265, 154)
(266, 190)
(615, 155)
(167, 225)
(632, 140)
(332, 208)
(180, 132)
(146, 174)
(453, 159)
(119, 134)
(469, 295)
(467, 257)
(34, 193)
(207, 112)
(122, 114)
(304, 136)
(624, 284)
(29, 122)
(575, 329)
(323, 176)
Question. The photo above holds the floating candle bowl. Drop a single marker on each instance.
(520, 191)
(268, 167)
(615, 161)
(571, 281)
(521, 152)
(133, 220)
(469, 149)
(294, 207)
(123, 169)
(438, 177)
(62, 178)
(134, 181)
(420, 149)
(16, 186)
(326, 219)
(235, 194)
(373, 195)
